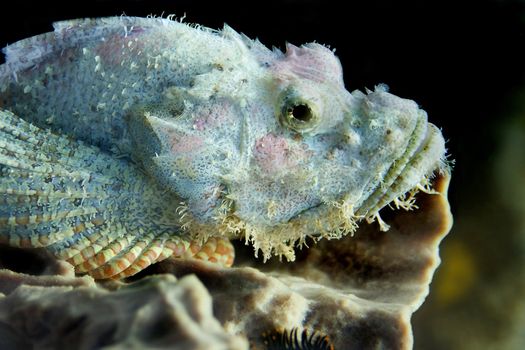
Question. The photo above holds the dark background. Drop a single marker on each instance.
(462, 62)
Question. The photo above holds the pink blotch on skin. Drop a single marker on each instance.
(180, 143)
(273, 154)
(212, 117)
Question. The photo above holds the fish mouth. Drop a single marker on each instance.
(409, 174)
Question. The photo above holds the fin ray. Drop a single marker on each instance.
(97, 211)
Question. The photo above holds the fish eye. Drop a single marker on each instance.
(300, 112)
(297, 114)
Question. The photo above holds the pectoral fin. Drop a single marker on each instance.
(100, 213)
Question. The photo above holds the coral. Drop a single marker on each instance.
(359, 292)
(158, 312)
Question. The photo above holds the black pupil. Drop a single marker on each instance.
(301, 112)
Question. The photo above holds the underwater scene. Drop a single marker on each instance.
(273, 175)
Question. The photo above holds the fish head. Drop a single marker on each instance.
(273, 147)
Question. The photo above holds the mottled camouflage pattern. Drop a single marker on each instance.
(204, 133)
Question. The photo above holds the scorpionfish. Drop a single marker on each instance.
(125, 141)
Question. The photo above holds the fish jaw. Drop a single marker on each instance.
(408, 175)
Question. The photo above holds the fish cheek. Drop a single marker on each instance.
(175, 158)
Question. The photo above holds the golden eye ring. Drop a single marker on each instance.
(298, 115)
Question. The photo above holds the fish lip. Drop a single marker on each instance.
(410, 172)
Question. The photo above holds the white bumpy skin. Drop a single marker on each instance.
(263, 144)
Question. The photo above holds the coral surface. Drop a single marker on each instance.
(359, 292)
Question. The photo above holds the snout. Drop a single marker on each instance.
(424, 155)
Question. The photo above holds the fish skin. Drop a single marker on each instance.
(253, 142)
